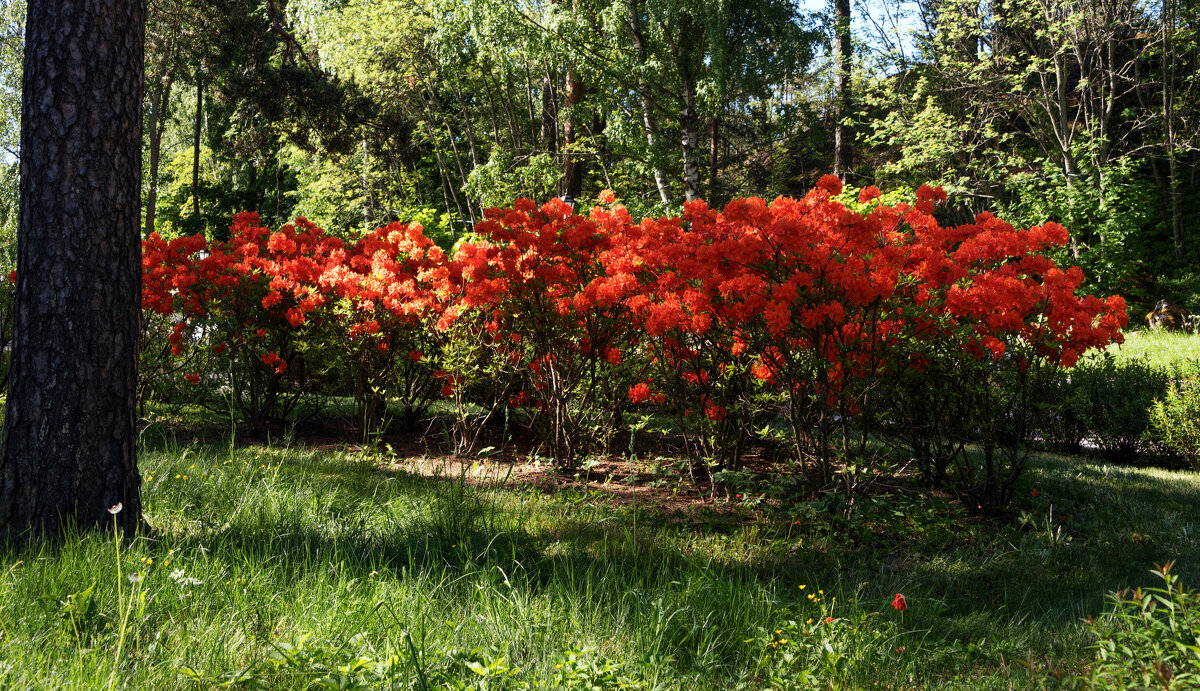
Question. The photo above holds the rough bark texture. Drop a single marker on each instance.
(69, 435)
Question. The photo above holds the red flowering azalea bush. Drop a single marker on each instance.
(378, 320)
(522, 284)
(994, 321)
(852, 336)
(247, 302)
(842, 313)
(295, 310)
(669, 274)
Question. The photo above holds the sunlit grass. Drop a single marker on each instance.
(281, 566)
(1160, 348)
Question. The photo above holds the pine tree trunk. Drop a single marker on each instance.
(68, 451)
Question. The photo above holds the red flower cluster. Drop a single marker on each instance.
(267, 282)
(260, 289)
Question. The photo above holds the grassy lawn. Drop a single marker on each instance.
(281, 566)
(1159, 348)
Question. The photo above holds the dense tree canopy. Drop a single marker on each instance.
(355, 114)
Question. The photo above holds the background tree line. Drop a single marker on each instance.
(359, 113)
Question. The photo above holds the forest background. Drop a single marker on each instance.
(355, 114)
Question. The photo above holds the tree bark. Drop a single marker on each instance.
(366, 187)
(69, 438)
(157, 127)
(1169, 135)
(713, 132)
(648, 121)
(196, 146)
(572, 182)
(689, 136)
(549, 119)
(843, 136)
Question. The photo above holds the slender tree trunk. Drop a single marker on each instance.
(516, 133)
(447, 187)
(487, 89)
(532, 122)
(648, 121)
(467, 126)
(462, 171)
(278, 181)
(157, 127)
(572, 178)
(713, 131)
(687, 126)
(69, 438)
(196, 145)
(689, 59)
(1169, 134)
(252, 183)
(843, 135)
(549, 120)
(599, 136)
(366, 188)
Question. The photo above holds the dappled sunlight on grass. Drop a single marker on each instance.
(256, 549)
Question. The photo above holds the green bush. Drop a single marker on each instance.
(1107, 401)
(1175, 420)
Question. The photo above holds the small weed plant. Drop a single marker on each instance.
(1149, 638)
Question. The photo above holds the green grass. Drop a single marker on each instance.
(281, 567)
(1160, 348)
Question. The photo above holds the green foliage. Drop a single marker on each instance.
(1175, 419)
(502, 179)
(1112, 213)
(820, 646)
(1107, 400)
(1182, 287)
(1149, 638)
(226, 186)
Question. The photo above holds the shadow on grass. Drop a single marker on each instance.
(1044, 577)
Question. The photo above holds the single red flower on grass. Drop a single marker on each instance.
(899, 603)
